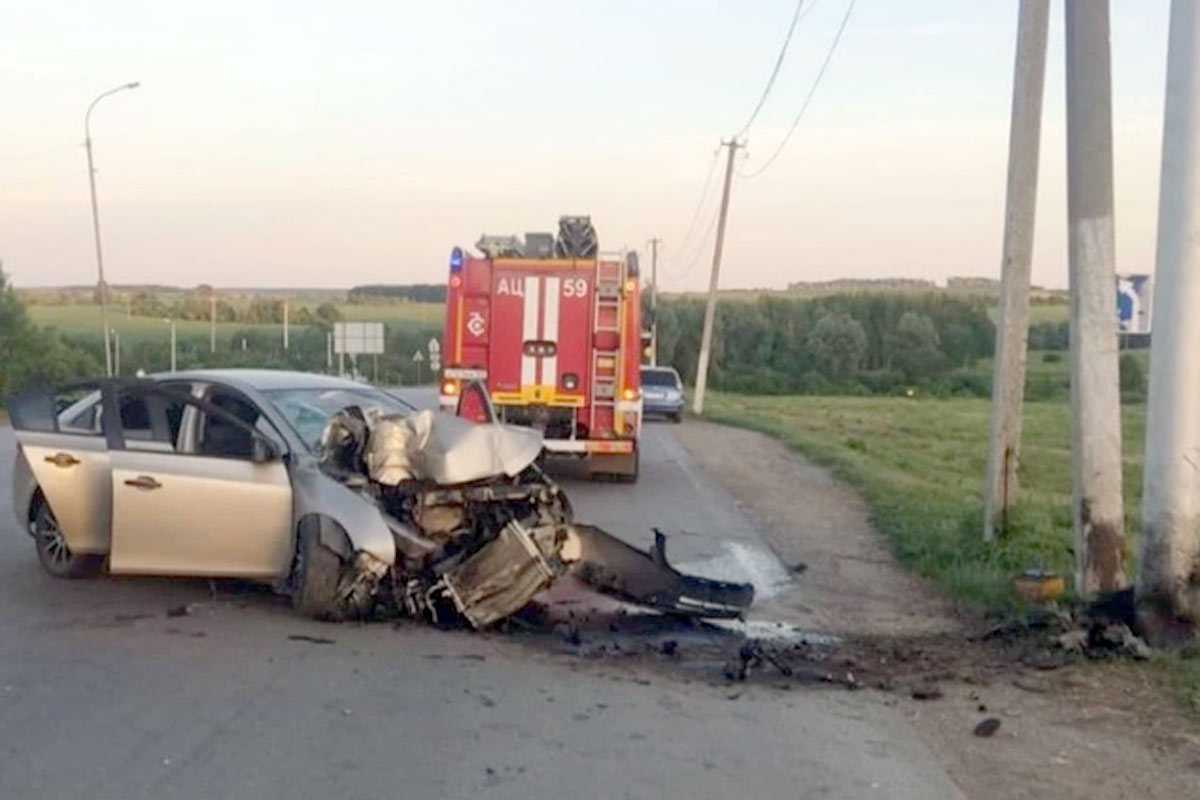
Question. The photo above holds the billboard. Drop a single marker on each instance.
(1134, 299)
(358, 338)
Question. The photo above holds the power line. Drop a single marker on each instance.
(778, 63)
(712, 223)
(683, 243)
(808, 98)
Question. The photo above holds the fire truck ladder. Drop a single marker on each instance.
(606, 313)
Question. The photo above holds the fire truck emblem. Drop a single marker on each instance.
(476, 324)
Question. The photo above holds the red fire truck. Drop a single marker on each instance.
(553, 330)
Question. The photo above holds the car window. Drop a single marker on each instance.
(150, 421)
(660, 378)
(82, 416)
(222, 437)
(309, 410)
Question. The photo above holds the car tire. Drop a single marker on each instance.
(316, 576)
(55, 557)
(677, 417)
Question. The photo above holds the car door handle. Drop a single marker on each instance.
(143, 482)
(62, 460)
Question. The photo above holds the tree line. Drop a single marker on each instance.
(196, 305)
(855, 343)
(31, 355)
(413, 292)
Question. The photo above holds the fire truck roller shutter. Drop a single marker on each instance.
(550, 331)
(529, 330)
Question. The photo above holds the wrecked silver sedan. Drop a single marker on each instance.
(338, 494)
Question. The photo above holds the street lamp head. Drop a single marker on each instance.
(133, 85)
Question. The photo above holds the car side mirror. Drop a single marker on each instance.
(263, 451)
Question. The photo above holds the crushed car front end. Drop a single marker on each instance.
(479, 530)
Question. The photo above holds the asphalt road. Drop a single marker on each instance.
(103, 695)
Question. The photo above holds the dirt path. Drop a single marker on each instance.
(1086, 730)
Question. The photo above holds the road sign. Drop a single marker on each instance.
(435, 355)
(418, 357)
(1133, 303)
(358, 338)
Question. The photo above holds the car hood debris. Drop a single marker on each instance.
(479, 529)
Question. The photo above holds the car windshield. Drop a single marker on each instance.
(659, 377)
(308, 410)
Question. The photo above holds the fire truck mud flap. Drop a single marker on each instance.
(613, 567)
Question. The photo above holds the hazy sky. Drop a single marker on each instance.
(327, 144)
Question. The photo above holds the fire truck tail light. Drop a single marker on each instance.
(629, 394)
(570, 381)
(450, 387)
(630, 285)
(455, 281)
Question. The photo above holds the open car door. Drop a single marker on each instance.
(63, 445)
(205, 493)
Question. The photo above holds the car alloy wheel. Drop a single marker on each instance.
(50, 537)
(56, 557)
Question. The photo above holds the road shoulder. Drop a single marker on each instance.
(846, 579)
(1082, 731)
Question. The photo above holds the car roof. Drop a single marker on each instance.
(265, 380)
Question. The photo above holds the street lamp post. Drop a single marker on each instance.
(171, 322)
(103, 287)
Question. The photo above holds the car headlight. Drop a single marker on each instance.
(673, 394)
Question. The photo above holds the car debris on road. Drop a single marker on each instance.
(480, 529)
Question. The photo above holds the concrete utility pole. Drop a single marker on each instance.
(285, 325)
(102, 284)
(654, 301)
(116, 337)
(1012, 327)
(1095, 400)
(710, 310)
(1168, 587)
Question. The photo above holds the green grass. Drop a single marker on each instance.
(391, 313)
(85, 319)
(920, 465)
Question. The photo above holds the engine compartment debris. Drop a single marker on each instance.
(479, 529)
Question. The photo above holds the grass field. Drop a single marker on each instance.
(85, 319)
(920, 465)
(395, 313)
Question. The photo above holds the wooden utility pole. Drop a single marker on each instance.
(1012, 326)
(1168, 590)
(710, 310)
(212, 320)
(1095, 399)
(654, 301)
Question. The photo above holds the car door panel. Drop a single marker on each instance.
(177, 514)
(69, 465)
(73, 473)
